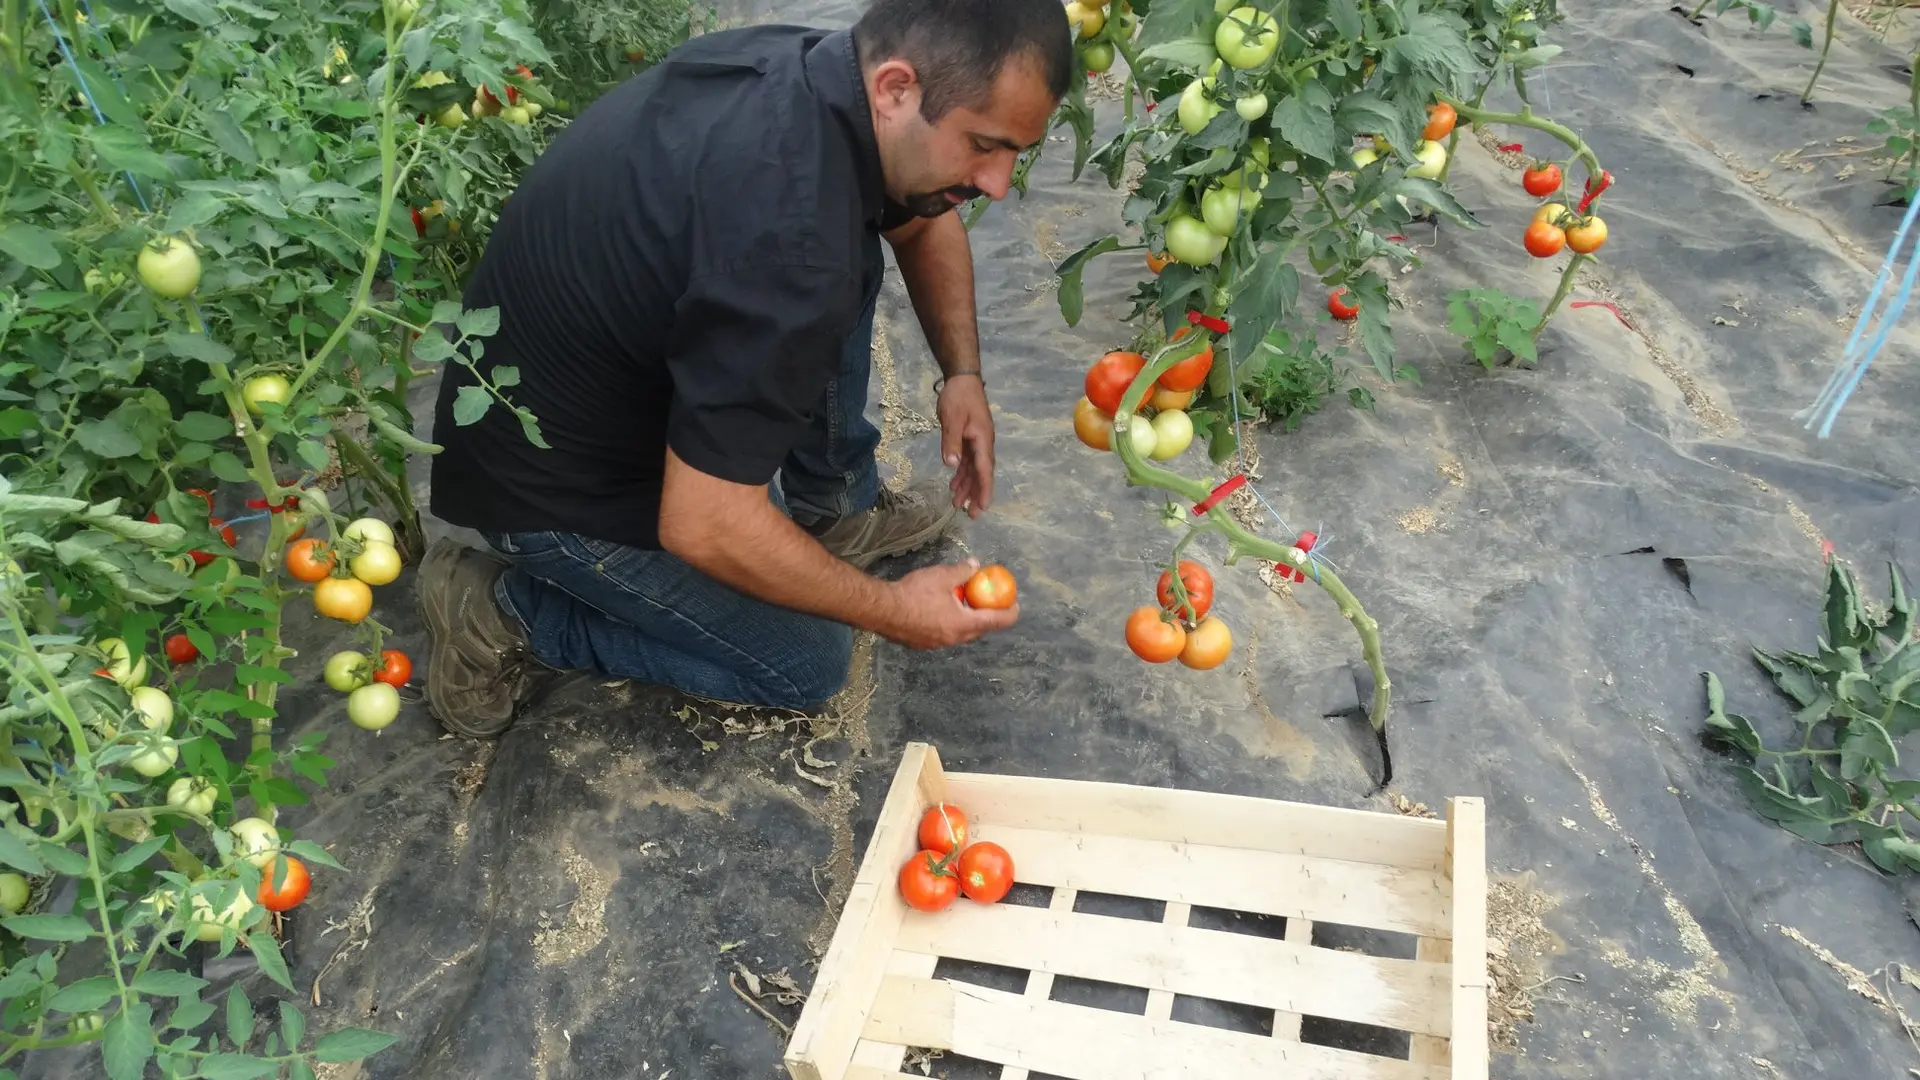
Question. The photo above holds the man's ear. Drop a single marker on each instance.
(895, 87)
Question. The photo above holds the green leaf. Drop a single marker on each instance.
(106, 438)
(229, 136)
(478, 322)
(1070, 270)
(195, 208)
(174, 984)
(189, 1014)
(1168, 20)
(239, 1016)
(1732, 729)
(84, 995)
(1424, 191)
(1792, 680)
(202, 426)
(137, 854)
(311, 852)
(32, 245)
(15, 853)
(267, 954)
(293, 1026)
(228, 467)
(49, 927)
(313, 452)
(1431, 46)
(1186, 52)
(1265, 293)
(196, 11)
(1846, 625)
(235, 1067)
(1902, 607)
(1798, 814)
(351, 1044)
(16, 421)
(1536, 56)
(1866, 743)
(1802, 32)
(198, 347)
(470, 404)
(1305, 121)
(303, 1071)
(127, 1043)
(126, 149)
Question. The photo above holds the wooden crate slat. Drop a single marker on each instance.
(1174, 815)
(1434, 1049)
(851, 972)
(1261, 882)
(887, 1057)
(1286, 1025)
(1094, 1044)
(1040, 983)
(1467, 864)
(1160, 1001)
(1240, 968)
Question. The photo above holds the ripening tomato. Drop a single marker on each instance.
(1587, 236)
(377, 564)
(943, 828)
(1191, 373)
(395, 668)
(180, 650)
(1207, 645)
(1544, 240)
(346, 599)
(1199, 585)
(1154, 636)
(1340, 307)
(1541, 180)
(928, 882)
(1109, 377)
(1440, 121)
(1551, 213)
(1163, 399)
(291, 887)
(991, 588)
(986, 872)
(1156, 263)
(309, 560)
(1094, 427)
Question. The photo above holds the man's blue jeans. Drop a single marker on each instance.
(628, 612)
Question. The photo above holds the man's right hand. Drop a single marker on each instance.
(927, 614)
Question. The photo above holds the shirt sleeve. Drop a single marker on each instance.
(751, 355)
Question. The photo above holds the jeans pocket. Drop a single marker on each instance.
(524, 545)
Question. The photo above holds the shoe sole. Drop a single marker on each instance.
(441, 653)
(911, 543)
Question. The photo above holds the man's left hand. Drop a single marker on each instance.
(966, 442)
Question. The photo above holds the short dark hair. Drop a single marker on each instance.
(959, 47)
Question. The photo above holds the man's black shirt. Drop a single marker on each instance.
(682, 267)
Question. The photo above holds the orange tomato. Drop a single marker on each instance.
(346, 599)
(1544, 240)
(1109, 377)
(1587, 236)
(1154, 636)
(1208, 645)
(991, 588)
(293, 885)
(1188, 374)
(1440, 121)
(1157, 263)
(1094, 427)
(1164, 400)
(309, 560)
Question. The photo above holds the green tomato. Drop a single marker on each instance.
(1221, 208)
(1140, 432)
(1252, 107)
(516, 114)
(361, 530)
(262, 389)
(14, 893)
(255, 840)
(154, 706)
(122, 667)
(154, 761)
(373, 707)
(1247, 38)
(1189, 241)
(1364, 157)
(1433, 158)
(400, 11)
(169, 267)
(1221, 7)
(452, 116)
(348, 671)
(1196, 108)
(1096, 57)
(1172, 434)
(207, 926)
(192, 794)
(86, 1023)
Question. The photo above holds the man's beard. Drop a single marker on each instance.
(935, 203)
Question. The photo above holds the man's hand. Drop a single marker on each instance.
(966, 442)
(927, 614)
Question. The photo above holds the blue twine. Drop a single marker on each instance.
(1854, 363)
(1314, 558)
(99, 118)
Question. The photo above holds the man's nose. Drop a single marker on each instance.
(997, 178)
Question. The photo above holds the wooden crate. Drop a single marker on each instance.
(876, 994)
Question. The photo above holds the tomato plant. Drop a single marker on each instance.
(943, 828)
(211, 297)
(927, 881)
(985, 871)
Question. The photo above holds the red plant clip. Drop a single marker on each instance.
(1208, 322)
(1232, 484)
(1511, 148)
(1605, 304)
(1305, 544)
(1594, 188)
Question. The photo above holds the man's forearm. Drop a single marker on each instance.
(937, 264)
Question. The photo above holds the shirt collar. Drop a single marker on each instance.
(833, 67)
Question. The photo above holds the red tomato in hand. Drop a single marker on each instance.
(180, 650)
(1188, 374)
(991, 588)
(986, 872)
(293, 885)
(1541, 180)
(943, 828)
(1544, 240)
(928, 883)
(1108, 379)
(395, 669)
(1199, 585)
(1340, 307)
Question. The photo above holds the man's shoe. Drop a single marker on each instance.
(479, 668)
(898, 523)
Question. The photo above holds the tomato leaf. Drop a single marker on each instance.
(31, 244)
(127, 150)
(1345, 16)
(293, 1026)
(1421, 190)
(50, 927)
(197, 347)
(351, 1044)
(229, 137)
(239, 1016)
(475, 322)
(1070, 270)
(235, 1067)
(126, 1045)
(470, 404)
(314, 853)
(266, 952)
(1168, 20)
(174, 984)
(1266, 293)
(137, 854)
(190, 1014)
(1186, 52)
(1305, 121)
(84, 995)
(15, 853)
(1430, 46)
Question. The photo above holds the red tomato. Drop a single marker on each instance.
(1440, 121)
(1154, 636)
(943, 828)
(1339, 307)
(927, 882)
(1541, 180)
(1199, 585)
(1109, 377)
(395, 669)
(986, 872)
(309, 559)
(1544, 240)
(991, 588)
(293, 885)
(1188, 374)
(180, 650)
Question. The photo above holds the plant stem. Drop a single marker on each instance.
(1453, 138)
(1526, 118)
(1566, 286)
(1833, 9)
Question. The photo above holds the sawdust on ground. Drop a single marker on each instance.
(1518, 944)
(583, 926)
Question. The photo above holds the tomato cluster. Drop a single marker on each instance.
(949, 862)
(1168, 430)
(1554, 225)
(372, 559)
(1182, 626)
